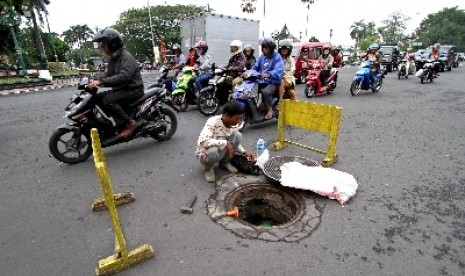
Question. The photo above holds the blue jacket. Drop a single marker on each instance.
(273, 66)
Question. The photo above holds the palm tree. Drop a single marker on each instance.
(37, 8)
(358, 31)
(76, 35)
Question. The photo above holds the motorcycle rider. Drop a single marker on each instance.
(270, 65)
(410, 57)
(179, 58)
(236, 64)
(434, 57)
(220, 139)
(326, 60)
(204, 64)
(288, 80)
(375, 57)
(192, 58)
(123, 75)
(249, 52)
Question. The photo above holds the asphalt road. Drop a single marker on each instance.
(405, 145)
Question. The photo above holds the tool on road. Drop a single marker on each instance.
(188, 209)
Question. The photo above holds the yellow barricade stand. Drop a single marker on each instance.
(122, 259)
(312, 116)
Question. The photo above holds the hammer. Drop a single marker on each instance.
(188, 209)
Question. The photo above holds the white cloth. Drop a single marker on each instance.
(323, 181)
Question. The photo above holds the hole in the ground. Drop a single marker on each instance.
(265, 205)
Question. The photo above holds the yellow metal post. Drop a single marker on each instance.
(322, 118)
(122, 259)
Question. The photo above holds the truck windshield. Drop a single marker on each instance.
(387, 50)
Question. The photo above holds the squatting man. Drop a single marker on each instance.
(220, 139)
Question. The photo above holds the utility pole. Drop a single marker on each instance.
(151, 33)
(8, 21)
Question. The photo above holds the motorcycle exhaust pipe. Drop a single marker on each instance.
(153, 129)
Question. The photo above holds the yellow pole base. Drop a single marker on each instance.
(328, 161)
(277, 146)
(112, 265)
(120, 199)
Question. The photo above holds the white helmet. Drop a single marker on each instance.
(236, 47)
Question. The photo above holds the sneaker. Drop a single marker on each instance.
(129, 129)
(228, 167)
(209, 173)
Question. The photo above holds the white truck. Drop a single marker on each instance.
(218, 31)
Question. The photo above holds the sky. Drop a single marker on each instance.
(323, 15)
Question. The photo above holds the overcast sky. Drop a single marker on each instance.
(324, 15)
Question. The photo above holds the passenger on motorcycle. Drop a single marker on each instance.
(337, 58)
(288, 80)
(220, 139)
(434, 57)
(204, 65)
(123, 75)
(270, 65)
(236, 64)
(250, 59)
(375, 57)
(192, 58)
(326, 60)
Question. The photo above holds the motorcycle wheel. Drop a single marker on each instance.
(377, 87)
(167, 117)
(208, 103)
(355, 88)
(66, 147)
(422, 79)
(309, 91)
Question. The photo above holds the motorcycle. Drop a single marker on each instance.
(250, 98)
(426, 71)
(315, 85)
(71, 142)
(164, 80)
(403, 69)
(184, 94)
(362, 79)
(216, 93)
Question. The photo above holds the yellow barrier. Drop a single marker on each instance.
(122, 259)
(318, 117)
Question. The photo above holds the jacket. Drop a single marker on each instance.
(123, 73)
(272, 65)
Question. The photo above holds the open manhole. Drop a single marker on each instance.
(266, 210)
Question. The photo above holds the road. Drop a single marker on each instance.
(405, 146)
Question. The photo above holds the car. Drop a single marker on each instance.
(461, 56)
(389, 56)
(419, 53)
(447, 57)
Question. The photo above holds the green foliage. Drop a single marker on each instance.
(446, 27)
(366, 42)
(361, 30)
(392, 30)
(134, 25)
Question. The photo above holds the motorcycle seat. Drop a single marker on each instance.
(147, 94)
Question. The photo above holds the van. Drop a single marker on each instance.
(308, 54)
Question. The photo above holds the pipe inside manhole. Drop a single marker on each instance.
(265, 205)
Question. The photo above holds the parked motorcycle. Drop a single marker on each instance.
(362, 79)
(216, 93)
(71, 142)
(315, 86)
(183, 95)
(251, 99)
(426, 71)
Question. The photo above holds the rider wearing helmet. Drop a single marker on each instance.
(236, 64)
(250, 59)
(288, 80)
(204, 64)
(326, 61)
(375, 57)
(270, 65)
(179, 58)
(123, 75)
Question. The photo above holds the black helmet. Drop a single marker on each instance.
(285, 44)
(268, 43)
(113, 37)
(250, 48)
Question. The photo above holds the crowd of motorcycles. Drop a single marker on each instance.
(71, 143)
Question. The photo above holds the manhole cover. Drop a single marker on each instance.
(266, 210)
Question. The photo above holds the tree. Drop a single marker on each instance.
(77, 35)
(446, 27)
(37, 8)
(393, 29)
(357, 31)
(134, 25)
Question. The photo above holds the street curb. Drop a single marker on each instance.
(43, 88)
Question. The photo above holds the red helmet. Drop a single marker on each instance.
(201, 45)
